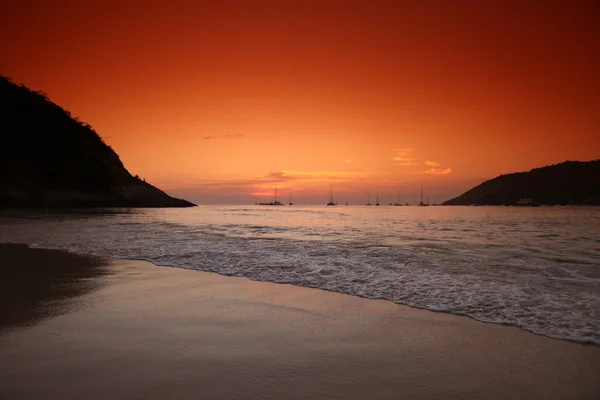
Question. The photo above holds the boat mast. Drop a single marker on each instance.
(275, 194)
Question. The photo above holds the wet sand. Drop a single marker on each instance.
(83, 327)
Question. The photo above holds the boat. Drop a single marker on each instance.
(421, 204)
(331, 202)
(377, 202)
(368, 201)
(291, 204)
(526, 202)
(346, 200)
(397, 203)
(275, 202)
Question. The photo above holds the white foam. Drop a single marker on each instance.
(546, 285)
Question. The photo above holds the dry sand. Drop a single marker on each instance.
(81, 327)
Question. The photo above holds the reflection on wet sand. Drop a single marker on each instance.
(38, 283)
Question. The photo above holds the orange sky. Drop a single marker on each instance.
(215, 101)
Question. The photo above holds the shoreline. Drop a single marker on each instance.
(110, 328)
(587, 342)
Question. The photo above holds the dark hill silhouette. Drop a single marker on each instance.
(571, 182)
(50, 159)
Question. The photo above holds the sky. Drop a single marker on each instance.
(222, 101)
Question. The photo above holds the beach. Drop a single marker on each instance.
(75, 326)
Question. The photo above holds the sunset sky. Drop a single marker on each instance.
(219, 101)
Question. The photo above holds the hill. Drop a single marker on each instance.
(571, 182)
(50, 159)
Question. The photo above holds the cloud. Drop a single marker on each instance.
(269, 180)
(226, 136)
(438, 171)
(316, 175)
(277, 175)
(405, 157)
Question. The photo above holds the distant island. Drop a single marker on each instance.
(50, 159)
(570, 182)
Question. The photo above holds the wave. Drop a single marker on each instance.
(555, 295)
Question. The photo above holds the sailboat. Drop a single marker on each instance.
(291, 204)
(421, 204)
(275, 202)
(346, 200)
(397, 203)
(369, 200)
(331, 203)
(377, 202)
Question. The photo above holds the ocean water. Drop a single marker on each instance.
(534, 268)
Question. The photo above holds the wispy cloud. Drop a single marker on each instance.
(438, 171)
(405, 157)
(225, 136)
(291, 174)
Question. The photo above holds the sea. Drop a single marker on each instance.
(534, 268)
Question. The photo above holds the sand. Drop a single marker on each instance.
(83, 327)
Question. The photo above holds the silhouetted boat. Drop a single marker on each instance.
(397, 203)
(331, 203)
(421, 204)
(346, 200)
(526, 202)
(377, 202)
(368, 201)
(291, 204)
(275, 202)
